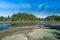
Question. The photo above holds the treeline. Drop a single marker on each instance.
(20, 17)
(53, 17)
(28, 17)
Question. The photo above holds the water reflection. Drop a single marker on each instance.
(4, 26)
(50, 25)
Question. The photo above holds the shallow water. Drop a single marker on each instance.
(51, 25)
(5, 26)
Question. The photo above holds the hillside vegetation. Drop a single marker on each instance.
(28, 17)
(20, 17)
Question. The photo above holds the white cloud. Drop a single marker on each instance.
(25, 5)
(40, 5)
(7, 5)
(41, 14)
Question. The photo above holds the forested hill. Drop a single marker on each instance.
(53, 17)
(28, 17)
(23, 17)
(20, 17)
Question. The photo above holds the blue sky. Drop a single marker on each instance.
(39, 8)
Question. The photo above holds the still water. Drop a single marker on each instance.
(5, 26)
(51, 25)
(8, 25)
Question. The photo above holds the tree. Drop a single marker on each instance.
(20, 17)
(53, 17)
(1, 18)
(23, 17)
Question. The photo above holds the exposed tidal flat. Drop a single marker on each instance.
(29, 34)
(29, 31)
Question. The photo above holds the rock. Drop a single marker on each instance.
(39, 34)
(15, 37)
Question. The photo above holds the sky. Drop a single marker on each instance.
(39, 8)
